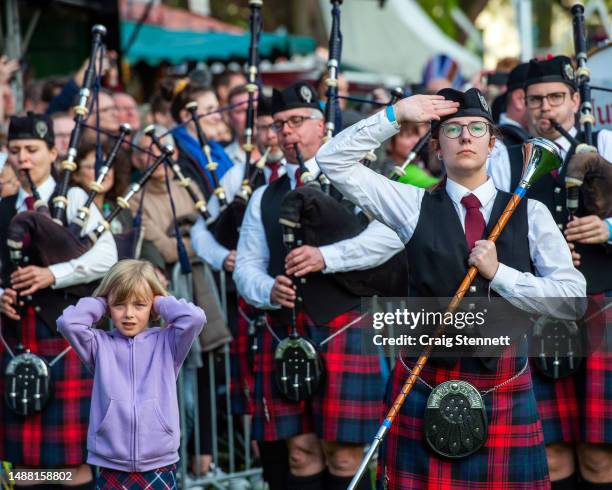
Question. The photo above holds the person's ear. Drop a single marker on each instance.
(518, 99)
(576, 101)
(53, 153)
(492, 142)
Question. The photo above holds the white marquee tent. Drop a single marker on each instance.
(396, 40)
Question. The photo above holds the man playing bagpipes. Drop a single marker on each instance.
(566, 400)
(329, 412)
(443, 233)
(52, 436)
(272, 454)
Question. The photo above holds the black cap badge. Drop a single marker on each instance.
(483, 102)
(568, 71)
(41, 129)
(305, 93)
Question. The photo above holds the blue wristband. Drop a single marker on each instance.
(609, 223)
(390, 113)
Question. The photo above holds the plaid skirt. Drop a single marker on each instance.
(242, 381)
(513, 455)
(558, 406)
(56, 436)
(159, 479)
(595, 391)
(347, 406)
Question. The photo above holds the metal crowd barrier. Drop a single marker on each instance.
(233, 460)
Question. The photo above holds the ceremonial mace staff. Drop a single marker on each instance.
(540, 157)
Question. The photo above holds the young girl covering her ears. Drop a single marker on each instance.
(134, 421)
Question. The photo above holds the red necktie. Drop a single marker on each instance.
(474, 220)
(29, 201)
(274, 167)
(298, 179)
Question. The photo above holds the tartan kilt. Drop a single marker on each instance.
(347, 406)
(56, 436)
(158, 479)
(596, 377)
(558, 406)
(513, 455)
(242, 381)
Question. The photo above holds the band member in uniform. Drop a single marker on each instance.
(55, 436)
(202, 238)
(566, 404)
(237, 117)
(442, 231)
(513, 121)
(272, 454)
(332, 425)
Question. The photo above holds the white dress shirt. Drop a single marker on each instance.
(504, 119)
(398, 206)
(372, 247)
(94, 263)
(203, 241)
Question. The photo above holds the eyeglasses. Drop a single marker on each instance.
(293, 122)
(554, 99)
(476, 128)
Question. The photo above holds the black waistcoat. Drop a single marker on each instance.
(48, 303)
(438, 253)
(596, 260)
(7, 211)
(322, 297)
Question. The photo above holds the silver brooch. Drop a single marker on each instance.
(41, 129)
(569, 71)
(483, 103)
(306, 94)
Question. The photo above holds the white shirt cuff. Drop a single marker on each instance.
(61, 272)
(331, 257)
(267, 286)
(505, 280)
(218, 258)
(380, 127)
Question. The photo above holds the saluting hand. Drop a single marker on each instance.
(423, 108)
(28, 280)
(7, 300)
(282, 292)
(304, 260)
(484, 257)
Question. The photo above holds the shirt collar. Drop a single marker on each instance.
(562, 143)
(311, 165)
(45, 190)
(504, 119)
(485, 192)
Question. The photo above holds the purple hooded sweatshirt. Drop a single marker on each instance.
(134, 417)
